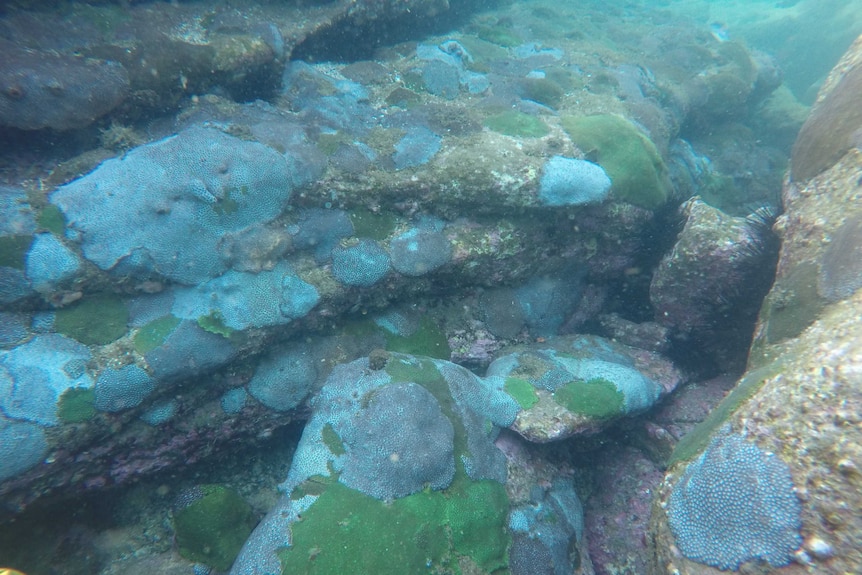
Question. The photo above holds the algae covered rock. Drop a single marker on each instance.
(636, 169)
(211, 522)
(397, 472)
(579, 385)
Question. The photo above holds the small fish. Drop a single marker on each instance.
(719, 31)
(9, 571)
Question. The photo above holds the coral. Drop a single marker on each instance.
(161, 412)
(96, 320)
(50, 263)
(571, 182)
(34, 376)
(399, 443)
(362, 264)
(234, 400)
(211, 522)
(635, 167)
(419, 251)
(734, 504)
(517, 124)
(16, 215)
(241, 300)
(547, 302)
(320, 230)
(124, 388)
(22, 445)
(544, 531)
(284, 378)
(189, 350)
(416, 148)
(13, 328)
(136, 214)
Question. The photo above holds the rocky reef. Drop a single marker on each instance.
(489, 277)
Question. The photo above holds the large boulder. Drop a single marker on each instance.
(771, 479)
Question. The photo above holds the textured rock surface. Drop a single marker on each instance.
(799, 400)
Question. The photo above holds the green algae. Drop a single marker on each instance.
(598, 398)
(332, 440)
(368, 224)
(428, 340)
(213, 322)
(154, 334)
(213, 528)
(95, 321)
(13, 251)
(637, 171)
(517, 124)
(51, 218)
(345, 531)
(521, 391)
(76, 405)
(543, 90)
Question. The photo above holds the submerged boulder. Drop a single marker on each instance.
(770, 480)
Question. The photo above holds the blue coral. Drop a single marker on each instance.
(320, 230)
(124, 388)
(734, 504)
(164, 207)
(161, 412)
(362, 264)
(544, 530)
(419, 251)
(188, 351)
(416, 147)
(22, 445)
(234, 400)
(284, 378)
(242, 299)
(398, 444)
(571, 182)
(50, 263)
(34, 375)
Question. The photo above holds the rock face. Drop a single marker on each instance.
(793, 419)
(397, 472)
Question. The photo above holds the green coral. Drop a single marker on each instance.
(76, 405)
(521, 391)
(597, 398)
(517, 124)
(95, 321)
(154, 334)
(637, 171)
(213, 528)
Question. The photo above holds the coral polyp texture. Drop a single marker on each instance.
(734, 504)
(163, 208)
